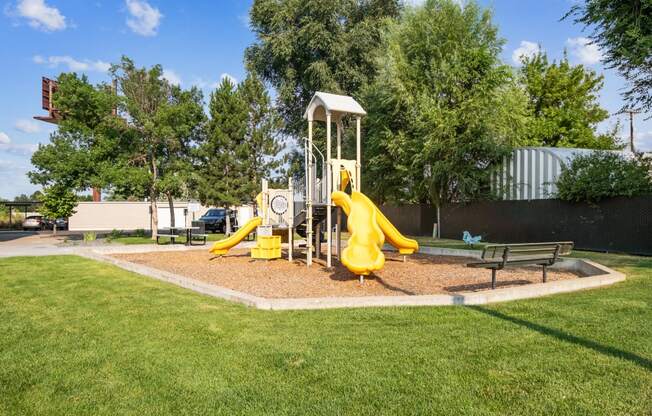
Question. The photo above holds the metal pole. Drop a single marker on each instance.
(291, 219)
(358, 154)
(318, 241)
(329, 190)
(338, 221)
(338, 124)
(290, 242)
(309, 198)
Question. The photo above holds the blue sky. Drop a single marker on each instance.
(198, 43)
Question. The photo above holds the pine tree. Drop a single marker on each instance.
(261, 134)
(222, 178)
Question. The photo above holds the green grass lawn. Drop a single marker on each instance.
(80, 337)
(164, 240)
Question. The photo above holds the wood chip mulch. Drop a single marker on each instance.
(420, 275)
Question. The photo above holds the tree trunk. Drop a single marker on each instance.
(438, 221)
(152, 196)
(154, 209)
(171, 204)
(54, 229)
(228, 221)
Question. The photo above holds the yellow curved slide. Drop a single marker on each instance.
(362, 254)
(223, 246)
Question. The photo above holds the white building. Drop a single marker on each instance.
(127, 215)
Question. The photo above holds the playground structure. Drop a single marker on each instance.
(309, 209)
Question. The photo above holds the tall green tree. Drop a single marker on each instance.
(307, 46)
(162, 122)
(623, 31)
(223, 169)
(563, 100)
(58, 202)
(135, 140)
(241, 146)
(433, 130)
(262, 133)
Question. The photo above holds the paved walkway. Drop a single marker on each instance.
(22, 243)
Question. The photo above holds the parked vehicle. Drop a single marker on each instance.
(215, 220)
(62, 223)
(34, 222)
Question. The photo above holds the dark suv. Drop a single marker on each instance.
(215, 220)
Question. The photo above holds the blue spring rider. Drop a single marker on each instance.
(469, 239)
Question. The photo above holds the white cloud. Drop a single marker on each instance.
(245, 19)
(73, 64)
(19, 183)
(526, 49)
(40, 15)
(584, 50)
(642, 141)
(144, 19)
(17, 149)
(223, 76)
(171, 76)
(27, 126)
(203, 83)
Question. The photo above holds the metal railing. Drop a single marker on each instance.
(318, 185)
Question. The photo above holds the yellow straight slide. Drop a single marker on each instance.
(223, 246)
(393, 236)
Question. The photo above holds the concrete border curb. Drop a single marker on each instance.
(597, 276)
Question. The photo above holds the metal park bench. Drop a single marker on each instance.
(498, 256)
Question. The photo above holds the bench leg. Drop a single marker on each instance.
(493, 278)
(545, 273)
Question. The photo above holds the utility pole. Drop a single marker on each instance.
(631, 113)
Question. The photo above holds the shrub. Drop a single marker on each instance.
(600, 175)
(115, 234)
(140, 233)
(89, 236)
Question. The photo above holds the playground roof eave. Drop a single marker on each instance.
(323, 103)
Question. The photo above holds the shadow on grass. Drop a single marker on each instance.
(562, 336)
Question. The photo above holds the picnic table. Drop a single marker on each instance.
(174, 232)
